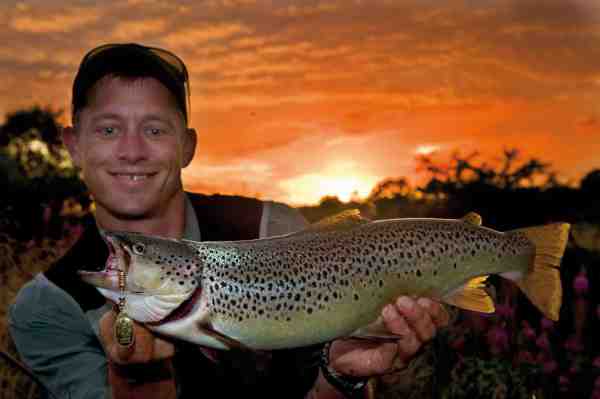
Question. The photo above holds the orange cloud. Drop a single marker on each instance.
(305, 11)
(133, 30)
(65, 21)
(195, 36)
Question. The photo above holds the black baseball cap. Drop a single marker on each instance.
(131, 60)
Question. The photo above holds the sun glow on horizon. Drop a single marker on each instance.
(426, 149)
(340, 180)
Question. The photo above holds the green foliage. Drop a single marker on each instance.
(37, 174)
(32, 139)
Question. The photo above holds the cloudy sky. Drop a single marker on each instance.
(294, 100)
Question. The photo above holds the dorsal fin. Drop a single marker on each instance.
(472, 218)
(340, 221)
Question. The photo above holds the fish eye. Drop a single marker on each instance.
(138, 249)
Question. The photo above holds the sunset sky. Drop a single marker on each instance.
(294, 100)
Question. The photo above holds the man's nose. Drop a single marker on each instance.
(132, 147)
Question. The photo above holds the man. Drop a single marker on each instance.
(130, 138)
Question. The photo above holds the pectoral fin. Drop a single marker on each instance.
(376, 331)
(472, 296)
(229, 343)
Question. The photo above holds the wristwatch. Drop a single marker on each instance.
(351, 387)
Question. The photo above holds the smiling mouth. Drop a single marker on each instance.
(133, 176)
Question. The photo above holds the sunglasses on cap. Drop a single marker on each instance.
(165, 60)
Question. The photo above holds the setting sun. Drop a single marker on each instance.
(426, 149)
(340, 180)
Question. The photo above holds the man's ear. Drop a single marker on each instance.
(70, 139)
(189, 146)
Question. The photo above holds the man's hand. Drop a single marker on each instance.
(143, 370)
(414, 321)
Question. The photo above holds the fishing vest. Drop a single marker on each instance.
(281, 373)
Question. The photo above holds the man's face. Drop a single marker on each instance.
(131, 144)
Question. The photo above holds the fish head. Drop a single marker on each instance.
(163, 269)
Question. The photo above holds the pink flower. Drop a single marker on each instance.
(527, 331)
(550, 367)
(497, 339)
(596, 362)
(580, 283)
(573, 344)
(458, 344)
(542, 357)
(573, 370)
(597, 383)
(542, 342)
(525, 357)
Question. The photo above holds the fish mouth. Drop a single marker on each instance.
(118, 261)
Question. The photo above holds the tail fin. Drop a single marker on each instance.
(542, 284)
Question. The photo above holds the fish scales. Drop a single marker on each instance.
(321, 283)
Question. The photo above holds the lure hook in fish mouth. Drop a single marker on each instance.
(118, 260)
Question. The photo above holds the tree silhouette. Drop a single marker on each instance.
(464, 170)
(508, 193)
(36, 173)
(590, 184)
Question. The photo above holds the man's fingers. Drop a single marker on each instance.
(163, 349)
(143, 345)
(417, 318)
(394, 321)
(407, 347)
(438, 313)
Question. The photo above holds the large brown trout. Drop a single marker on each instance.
(328, 281)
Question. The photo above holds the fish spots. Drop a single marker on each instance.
(284, 279)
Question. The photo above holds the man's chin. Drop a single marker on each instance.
(128, 212)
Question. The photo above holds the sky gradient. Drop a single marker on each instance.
(294, 100)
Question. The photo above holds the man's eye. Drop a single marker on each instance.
(154, 131)
(108, 130)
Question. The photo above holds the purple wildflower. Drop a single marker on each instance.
(525, 357)
(550, 367)
(546, 324)
(563, 383)
(458, 344)
(573, 344)
(581, 284)
(497, 338)
(542, 342)
(527, 331)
